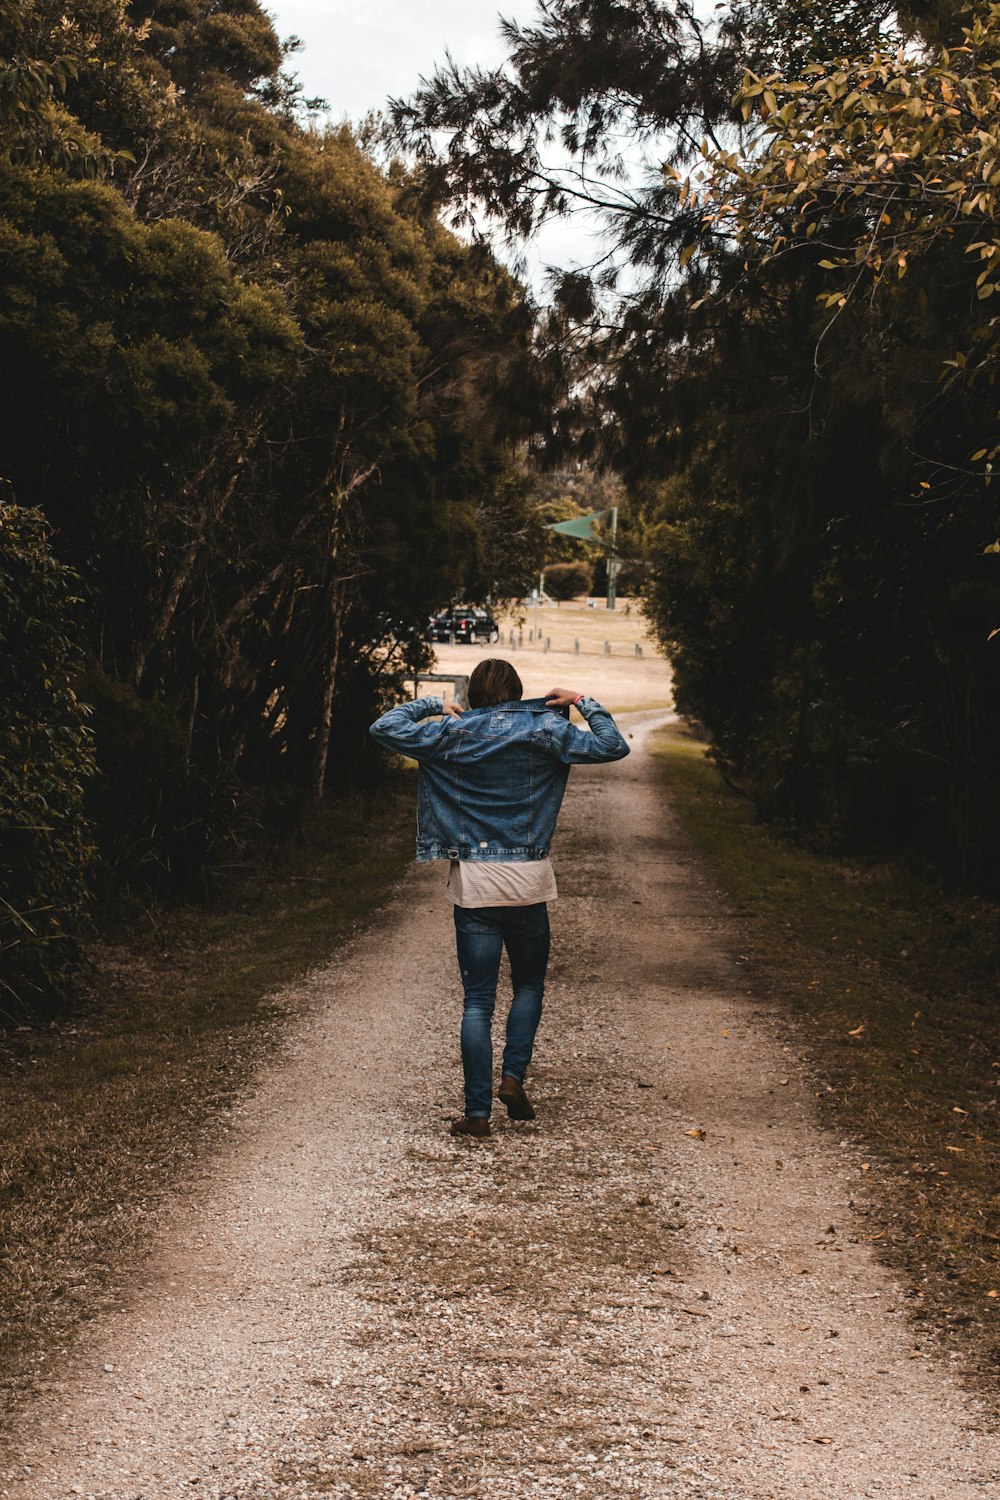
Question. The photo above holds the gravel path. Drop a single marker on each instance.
(661, 1288)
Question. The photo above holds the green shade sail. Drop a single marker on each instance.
(583, 526)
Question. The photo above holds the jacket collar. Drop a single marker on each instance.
(518, 706)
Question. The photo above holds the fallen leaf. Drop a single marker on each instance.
(697, 1133)
(725, 1031)
(821, 1440)
(959, 1149)
(993, 1294)
(866, 1166)
(956, 1109)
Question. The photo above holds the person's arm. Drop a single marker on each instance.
(603, 743)
(402, 728)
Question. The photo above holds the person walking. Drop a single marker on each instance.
(491, 783)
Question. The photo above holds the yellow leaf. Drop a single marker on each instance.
(697, 1133)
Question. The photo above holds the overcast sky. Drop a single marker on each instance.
(357, 55)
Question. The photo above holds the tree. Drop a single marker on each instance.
(45, 763)
(267, 401)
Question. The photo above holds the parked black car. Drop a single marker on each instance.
(463, 626)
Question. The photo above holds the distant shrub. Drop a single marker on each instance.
(567, 580)
(45, 760)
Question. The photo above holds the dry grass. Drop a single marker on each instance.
(895, 988)
(102, 1113)
(622, 680)
(623, 628)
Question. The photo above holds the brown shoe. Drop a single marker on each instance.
(512, 1094)
(478, 1127)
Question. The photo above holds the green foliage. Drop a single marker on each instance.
(851, 554)
(567, 580)
(45, 761)
(266, 400)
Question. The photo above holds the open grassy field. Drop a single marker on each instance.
(595, 650)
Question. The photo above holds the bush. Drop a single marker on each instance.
(148, 813)
(567, 580)
(45, 761)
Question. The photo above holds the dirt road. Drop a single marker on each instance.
(662, 1288)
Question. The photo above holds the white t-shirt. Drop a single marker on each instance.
(483, 882)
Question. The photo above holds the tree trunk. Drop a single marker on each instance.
(322, 749)
(210, 514)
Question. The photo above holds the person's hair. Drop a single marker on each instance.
(493, 681)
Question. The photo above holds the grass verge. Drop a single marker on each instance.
(102, 1112)
(895, 990)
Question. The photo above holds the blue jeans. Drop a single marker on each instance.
(481, 933)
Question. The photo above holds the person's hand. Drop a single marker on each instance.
(560, 697)
(452, 710)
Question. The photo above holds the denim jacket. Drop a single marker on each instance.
(492, 780)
